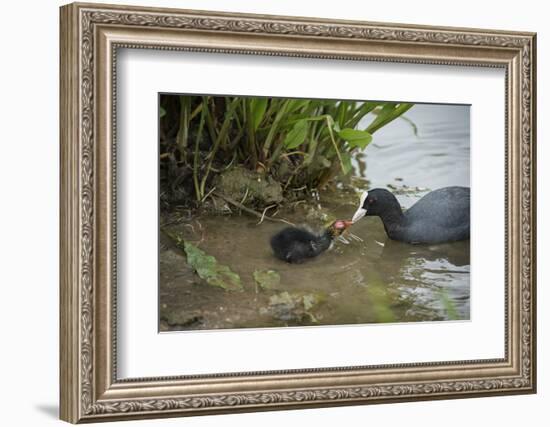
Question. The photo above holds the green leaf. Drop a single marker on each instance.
(297, 135)
(292, 119)
(297, 104)
(355, 138)
(388, 113)
(267, 279)
(258, 107)
(208, 268)
(162, 112)
(343, 109)
(361, 110)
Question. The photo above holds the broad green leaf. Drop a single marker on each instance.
(208, 268)
(297, 135)
(267, 279)
(355, 138)
(258, 107)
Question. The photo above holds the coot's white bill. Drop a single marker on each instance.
(361, 212)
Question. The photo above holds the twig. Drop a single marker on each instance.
(248, 210)
(263, 213)
(293, 152)
(172, 222)
(299, 202)
(208, 194)
(245, 196)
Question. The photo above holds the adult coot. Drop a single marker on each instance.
(440, 216)
(295, 244)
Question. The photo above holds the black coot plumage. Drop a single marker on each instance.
(440, 216)
(296, 244)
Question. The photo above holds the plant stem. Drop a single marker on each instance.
(335, 146)
(251, 134)
(183, 132)
(198, 192)
(269, 139)
(221, 136)
(209, 120)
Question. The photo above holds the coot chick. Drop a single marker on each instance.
(440, 216)
(296, 244)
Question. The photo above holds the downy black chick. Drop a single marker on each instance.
(296, 244)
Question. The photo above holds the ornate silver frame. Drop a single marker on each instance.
(90, 36)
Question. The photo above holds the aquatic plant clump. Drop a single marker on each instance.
(296, 143)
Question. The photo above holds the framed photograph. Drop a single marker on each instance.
(266, 212)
